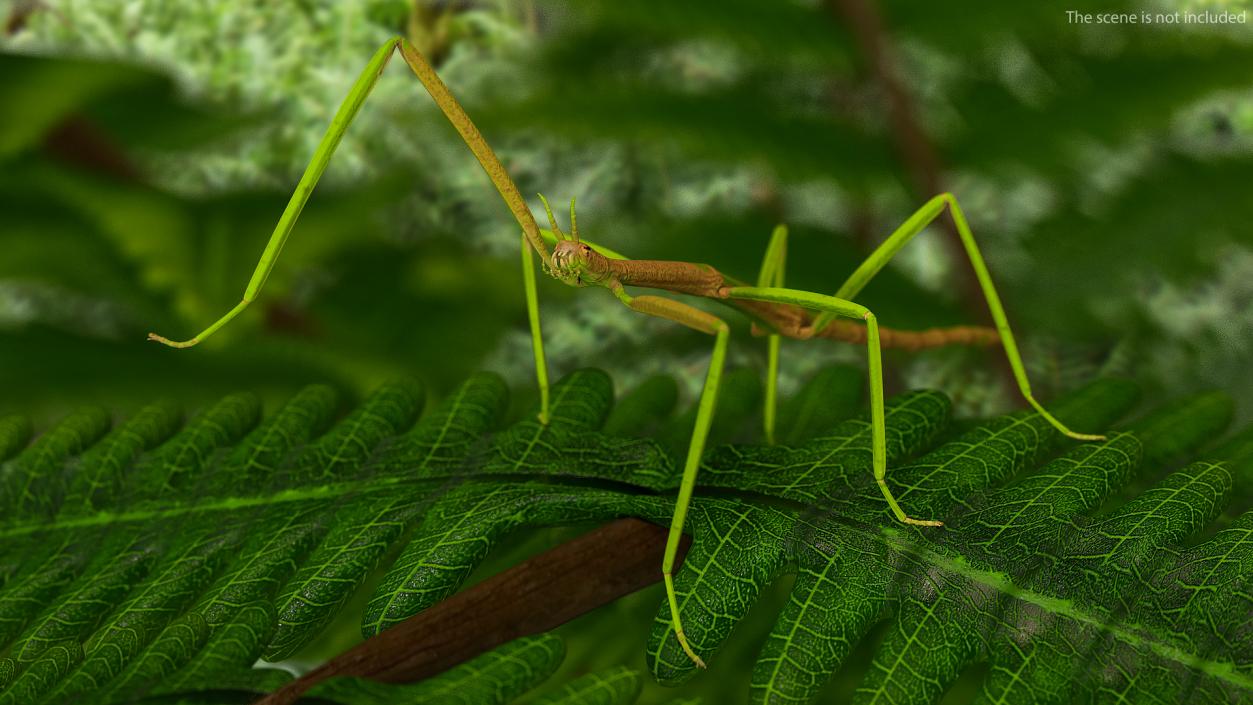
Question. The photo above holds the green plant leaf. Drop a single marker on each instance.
(498, 676)
(619, 686)
(134, 104)
(140, 560)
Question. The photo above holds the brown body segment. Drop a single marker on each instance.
(796, 322)
(679, 277)
(785, 319)
(852, 332)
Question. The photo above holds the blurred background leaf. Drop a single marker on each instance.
(148, 148)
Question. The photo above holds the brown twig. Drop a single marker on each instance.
(533, 597)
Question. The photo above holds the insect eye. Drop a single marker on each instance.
(586, 248)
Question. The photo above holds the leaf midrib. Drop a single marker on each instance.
(895, 539)
(891, 537)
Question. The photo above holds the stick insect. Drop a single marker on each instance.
(774, 308)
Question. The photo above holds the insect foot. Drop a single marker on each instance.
(172, 343)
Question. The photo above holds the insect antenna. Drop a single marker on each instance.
(551, 220)
(574, 224)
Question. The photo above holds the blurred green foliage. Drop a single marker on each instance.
(1103, 167)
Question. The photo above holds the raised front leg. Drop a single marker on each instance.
(456, 115)
(326, 148)
(916, 222)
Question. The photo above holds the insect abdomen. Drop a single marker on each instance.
(679, 277)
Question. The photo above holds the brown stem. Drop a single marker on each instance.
(533, 597)
(916, 149)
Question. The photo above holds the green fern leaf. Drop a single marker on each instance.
(142, 561)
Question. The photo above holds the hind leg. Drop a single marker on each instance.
(906, 232)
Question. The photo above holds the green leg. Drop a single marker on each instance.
(772, 268)
(906, 232)
(537, 338)
(842, 307)
(706, 323)
(347, 111)
(772, 387)
(326, 148)
(321, 158)
(474, 140)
